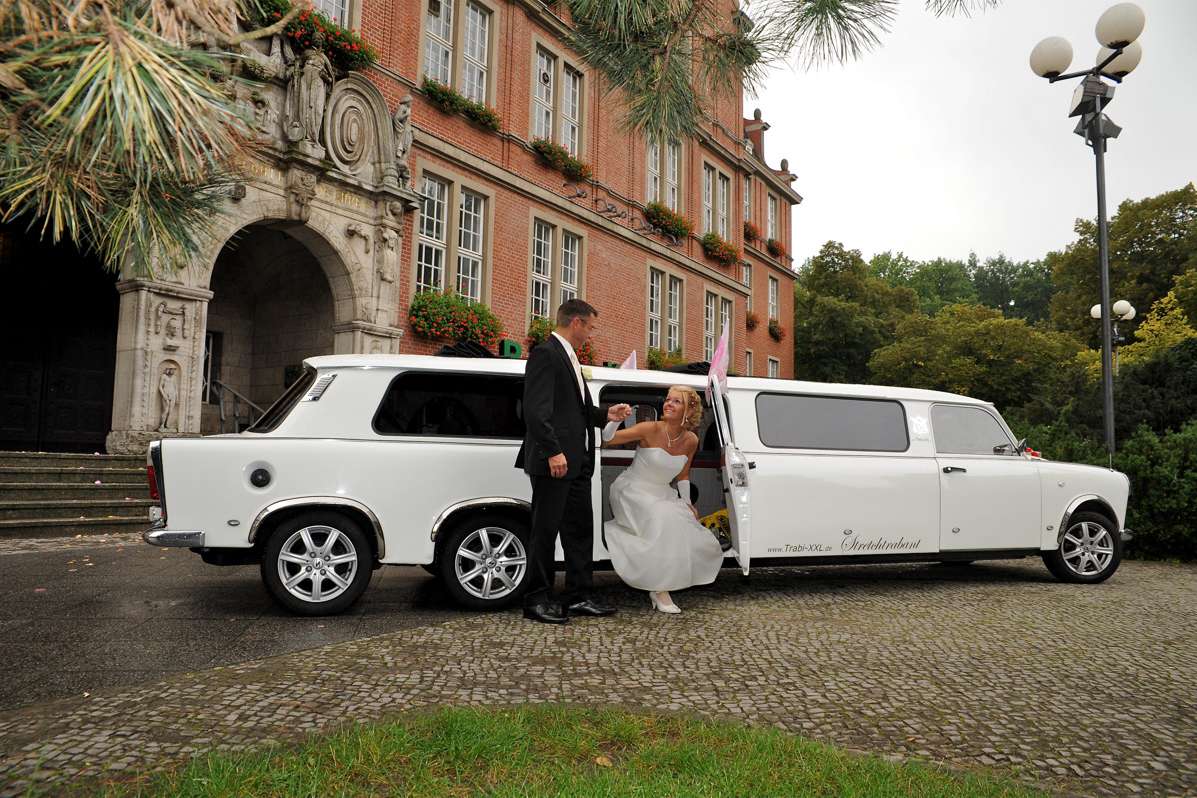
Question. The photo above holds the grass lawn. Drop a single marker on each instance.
(555, 751)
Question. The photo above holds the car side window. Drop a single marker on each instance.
(801, 421)
(451, 404)
(968, 430)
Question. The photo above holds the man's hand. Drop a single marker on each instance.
(558, 466)
(619, 412)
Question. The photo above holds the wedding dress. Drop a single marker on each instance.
(654, 540)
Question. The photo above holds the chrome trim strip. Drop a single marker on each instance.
(500, 501)
(318, 501)
(173, 538)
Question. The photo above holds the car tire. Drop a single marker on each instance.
(1088, 552)
(317, 563)
(489, 575)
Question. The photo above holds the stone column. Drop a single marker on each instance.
(363, 338)
(159, 363)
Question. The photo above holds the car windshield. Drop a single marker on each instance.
(275, 414)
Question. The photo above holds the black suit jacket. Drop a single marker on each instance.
(557, 419)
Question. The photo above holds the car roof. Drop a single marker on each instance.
(501, 365)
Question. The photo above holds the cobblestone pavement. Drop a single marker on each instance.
(1088, 690)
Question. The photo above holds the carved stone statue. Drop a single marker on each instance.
(168, 393)
(401, 122)
(311, 78)
(264, 118)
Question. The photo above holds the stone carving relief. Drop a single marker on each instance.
(265, 118)
(168, 396)
(358, 230)
(301, 190)
(171, 323)
(307, 93)
(358, 131)
(401, 123)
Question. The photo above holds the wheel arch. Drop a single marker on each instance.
(454, 513)
(277, 512)
(1087, 503)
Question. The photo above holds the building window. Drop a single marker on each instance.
(664, 172)
(774, 290)
(771, 227)
(673, 315)
(432, 251)
(708, 326)
(747, 198)
(477, 42)
(430, 255)
(668, 313)
(723, 209)
(336, 10)
(556, 267)
(725, 318)
(746, 278)
(708, 199)
(444, 35)
(655, 279)
(774, 367)
(748, 362)
(550, 105)
(471, 219)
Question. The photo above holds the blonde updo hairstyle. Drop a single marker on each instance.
(692, 412)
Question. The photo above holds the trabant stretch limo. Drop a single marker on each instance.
(370, 460)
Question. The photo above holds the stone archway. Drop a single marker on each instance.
(272, 306)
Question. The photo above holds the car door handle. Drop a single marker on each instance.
(950, 469)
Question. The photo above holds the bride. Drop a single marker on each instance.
(655, 540)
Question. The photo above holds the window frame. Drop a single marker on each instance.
(720, 299)
(457, 55)
(747, 199)
(748, 364)
(457, 184)
(669, 277)
(659, 166)
(559, 229)
(771, 222)
(981, 408)
(774, 298)
(561, 64)
(901, 407)
(746, 281)
(769, 367)
(514, 378)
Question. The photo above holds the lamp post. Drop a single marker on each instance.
(1117, 31)
(1123, 311)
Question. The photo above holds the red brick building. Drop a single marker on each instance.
(499, 225)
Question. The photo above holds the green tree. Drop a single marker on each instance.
(943, 282)
(1151, 242)
(842, 314)
(670, 59)
(972, 350)
(119, 133)
(1020, 290)
(894, 268)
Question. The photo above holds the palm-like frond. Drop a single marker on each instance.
(964, 8)
(833, 31)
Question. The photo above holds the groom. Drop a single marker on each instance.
(558, 456)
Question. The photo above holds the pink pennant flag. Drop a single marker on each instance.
(719, 363)
(629, 362)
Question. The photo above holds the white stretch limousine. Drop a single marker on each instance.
(379, 459)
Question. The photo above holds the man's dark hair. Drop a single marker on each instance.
(572, 309)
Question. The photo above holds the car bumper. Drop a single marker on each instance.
(173, 538)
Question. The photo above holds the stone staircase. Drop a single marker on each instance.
(63, 495)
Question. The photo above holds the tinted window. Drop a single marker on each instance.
(967, 430)
(831, 422)
(275, 414)
(459, 405)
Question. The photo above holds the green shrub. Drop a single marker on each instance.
(715, 248)
(558, 157)
(668, 221)
(345, 49)
(449, 101)
(658, 359)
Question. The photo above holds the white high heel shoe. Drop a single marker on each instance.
(670, 608)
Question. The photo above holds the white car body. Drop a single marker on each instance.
(797, 505)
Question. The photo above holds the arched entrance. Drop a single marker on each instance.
(58, 350)
(272, 306)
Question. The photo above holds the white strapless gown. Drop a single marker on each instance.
(654, 541)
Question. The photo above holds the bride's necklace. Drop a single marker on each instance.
(672, 438)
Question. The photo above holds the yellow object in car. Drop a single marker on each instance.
(717, 522)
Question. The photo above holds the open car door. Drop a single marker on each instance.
(734, 469)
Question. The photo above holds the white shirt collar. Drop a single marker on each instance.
(569, 349)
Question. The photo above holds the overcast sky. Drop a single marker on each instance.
(943, 141)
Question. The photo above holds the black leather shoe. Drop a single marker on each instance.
(546, 613)
(590, 607)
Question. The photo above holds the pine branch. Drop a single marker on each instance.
(965, 8)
